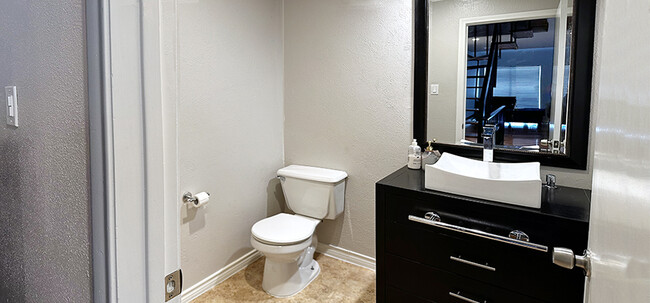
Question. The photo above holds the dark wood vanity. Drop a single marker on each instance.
(460, 260)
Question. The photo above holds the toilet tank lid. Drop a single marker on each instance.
(312, 173)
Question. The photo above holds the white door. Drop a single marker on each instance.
(619, 235)
(144, 212)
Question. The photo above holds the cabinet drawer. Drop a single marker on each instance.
(428, 284)
(522, 270)
(397, 295)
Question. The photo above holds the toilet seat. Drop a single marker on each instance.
(284, 229)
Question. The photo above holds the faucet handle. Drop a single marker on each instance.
(550, 181)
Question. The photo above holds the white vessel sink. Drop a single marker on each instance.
(511, 183)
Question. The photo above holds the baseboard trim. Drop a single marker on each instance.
(347, 255)
(214, 279)
(229, 270)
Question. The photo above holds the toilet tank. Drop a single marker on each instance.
(313, 191)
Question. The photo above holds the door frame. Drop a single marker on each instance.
(103, 227)
(133, 154)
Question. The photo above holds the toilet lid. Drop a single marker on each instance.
(284, 229)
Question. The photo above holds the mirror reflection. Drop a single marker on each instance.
(500, 69)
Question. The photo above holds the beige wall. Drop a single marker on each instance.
(45, 250)
(348, 100)
(444, 18)
(230, 125)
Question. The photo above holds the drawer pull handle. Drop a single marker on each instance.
(479, 233)
(461, 260)
(466, 299)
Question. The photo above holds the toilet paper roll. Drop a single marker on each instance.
(201, 199)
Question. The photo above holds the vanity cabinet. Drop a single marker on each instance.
(468, 255)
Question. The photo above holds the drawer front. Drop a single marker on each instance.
(523, 270)
(428, 284)
(397, 295)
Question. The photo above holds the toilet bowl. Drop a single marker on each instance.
(288, 241)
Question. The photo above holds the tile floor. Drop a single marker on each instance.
(338, 282)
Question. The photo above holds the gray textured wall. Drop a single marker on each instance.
(348, 100)
(44, 210)
(230, 101)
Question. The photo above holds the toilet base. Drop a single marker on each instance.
(297, 282)
(282, 279)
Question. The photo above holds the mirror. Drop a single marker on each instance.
(520, 66)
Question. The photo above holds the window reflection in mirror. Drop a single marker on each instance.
(512, 71)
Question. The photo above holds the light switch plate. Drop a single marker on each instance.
(434, 89)
(11, 98)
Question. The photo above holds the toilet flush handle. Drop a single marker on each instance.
(281, 178)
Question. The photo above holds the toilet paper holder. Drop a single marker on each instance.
(188, 197)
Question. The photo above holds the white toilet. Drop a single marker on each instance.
(288, 241)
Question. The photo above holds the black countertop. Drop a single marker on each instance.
(564, 202)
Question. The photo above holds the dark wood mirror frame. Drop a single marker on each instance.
(582, 49)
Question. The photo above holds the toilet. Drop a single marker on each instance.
(288, 241)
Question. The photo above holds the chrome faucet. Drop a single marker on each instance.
(489, 131)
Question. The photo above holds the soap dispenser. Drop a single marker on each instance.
(430, 156)
(415, 155)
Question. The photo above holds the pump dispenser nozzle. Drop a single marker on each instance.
(415, 155)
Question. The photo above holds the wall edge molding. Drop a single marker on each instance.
(221, 275)
(229, 270)
(348, 256)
